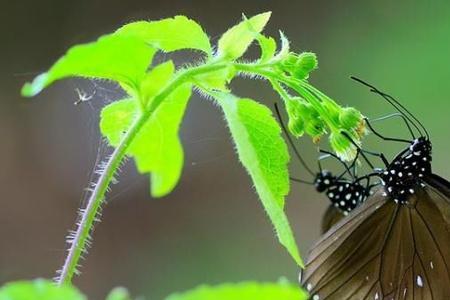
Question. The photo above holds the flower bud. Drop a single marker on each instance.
(315, 127)
(342, 146)
(292, 108)
(350, 118)
(288, 63)
(296, 127)
(306, 62)
(307, 111)
(291, 59)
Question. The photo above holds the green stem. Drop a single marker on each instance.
(280, 90)
(88, 216)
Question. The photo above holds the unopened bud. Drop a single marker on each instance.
(292, 108)
(350, 118)
(307, 111)
(290, 60)
(342, 145)
(307, 62)
(296, 127)
(315, 128)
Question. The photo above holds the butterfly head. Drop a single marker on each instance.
(324, 180)
(406, 172)
(421, 147)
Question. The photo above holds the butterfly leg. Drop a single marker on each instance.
(330, 154)
(362, 152)
(291, 142)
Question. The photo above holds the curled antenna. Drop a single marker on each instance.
(291, 142)
(397, 105)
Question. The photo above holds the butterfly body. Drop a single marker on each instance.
(407, 170)
(344, 194)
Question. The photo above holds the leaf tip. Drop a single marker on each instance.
(31, 89)
(157, 192)
(266, 15)
(263, 18)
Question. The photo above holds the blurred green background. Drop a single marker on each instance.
(212, 228)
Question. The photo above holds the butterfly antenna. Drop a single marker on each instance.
(301, 180)
(397, 105)
(319, 164)
(384, 137)
(291, 142)
(408, 112)
(396, 115)
(390, 100)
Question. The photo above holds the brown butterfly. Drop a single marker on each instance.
(395, 245)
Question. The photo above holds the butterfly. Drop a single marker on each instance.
(344, 193)
(395, 245)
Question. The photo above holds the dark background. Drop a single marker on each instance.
(212, 228)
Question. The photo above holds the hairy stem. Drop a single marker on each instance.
(88, 216)
(80, 238)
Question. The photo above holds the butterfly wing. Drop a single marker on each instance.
(332, 216)
(386, 251)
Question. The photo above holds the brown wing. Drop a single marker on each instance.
(332, 216)
(385, 251)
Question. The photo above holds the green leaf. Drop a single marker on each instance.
(243, 291)
(118, 293)
(156, 147)
(238, 38)
(39, 289)
(117, 58)
(170, 34)
(268, 48)
(155, 80)
(265, 156)
(285, 48)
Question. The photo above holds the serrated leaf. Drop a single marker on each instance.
(156, 148)
(243, 291)
(268, 48)
(264, 154)
(118, 58)
(39, 289)
(170, 34)
(238, 38)
(285, 48)
(155, 80)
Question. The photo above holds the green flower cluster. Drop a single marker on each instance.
(313, 113)
(303, 117)
(316, 115)
(299, 65)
